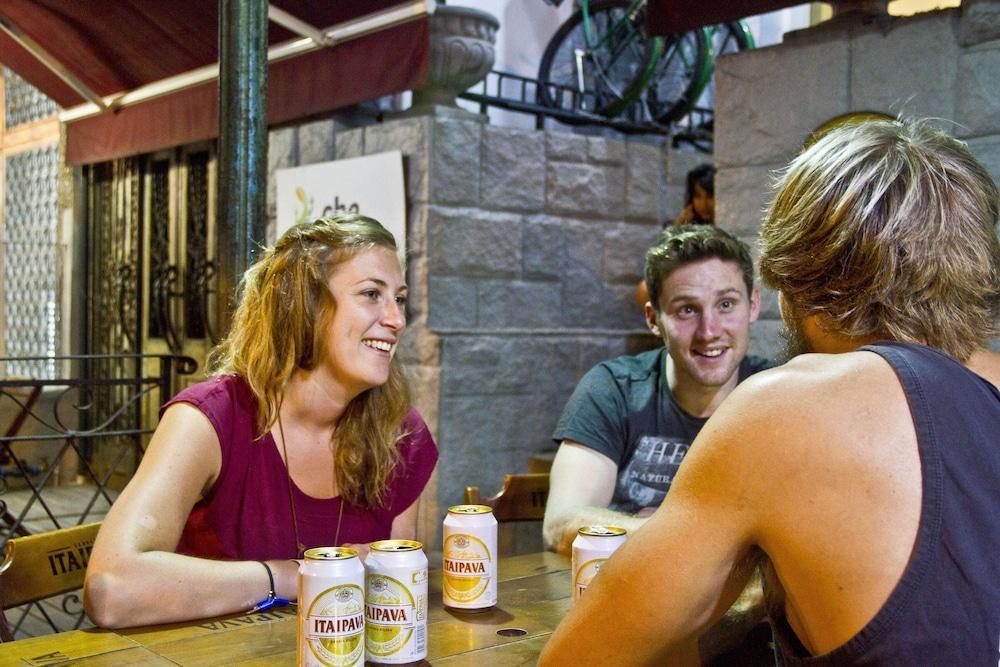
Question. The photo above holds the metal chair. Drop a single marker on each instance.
(522, 497)
(44, 565)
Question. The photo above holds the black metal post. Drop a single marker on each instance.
(242, 172)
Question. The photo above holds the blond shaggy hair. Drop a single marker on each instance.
(284, 312)
(889, 230)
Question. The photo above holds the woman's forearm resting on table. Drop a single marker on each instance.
(163, 587)
(129, 587)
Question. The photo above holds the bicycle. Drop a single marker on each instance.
(663, 99)
(602, 59)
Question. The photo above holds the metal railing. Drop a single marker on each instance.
(513, 92)
(83, 428)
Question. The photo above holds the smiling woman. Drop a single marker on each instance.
(304, 437)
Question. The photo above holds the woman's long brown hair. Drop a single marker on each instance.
(284, 311)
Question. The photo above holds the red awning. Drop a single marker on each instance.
(112, 47)
(667, 16)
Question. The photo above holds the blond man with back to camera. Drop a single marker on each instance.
(863, 474)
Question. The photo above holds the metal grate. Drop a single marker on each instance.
(23, 102)
(197, 272)
(66, 451)
(32, 262)
(161, 274)
(514, 92)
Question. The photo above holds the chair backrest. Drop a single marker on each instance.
(522, 497)
(46, 564)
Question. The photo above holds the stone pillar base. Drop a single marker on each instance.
(441, 111)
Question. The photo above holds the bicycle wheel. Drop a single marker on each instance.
(679, 77)
(611, 64)
(730, 37)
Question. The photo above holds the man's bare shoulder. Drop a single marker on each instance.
(809, 385)
(812, 415)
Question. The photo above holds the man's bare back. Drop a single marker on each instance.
(849, 444)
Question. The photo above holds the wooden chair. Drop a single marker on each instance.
(522, 497)
(43, 565)
(542, 461)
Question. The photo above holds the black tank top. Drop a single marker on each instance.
(945, 610)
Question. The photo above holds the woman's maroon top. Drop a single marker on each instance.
(246, 514)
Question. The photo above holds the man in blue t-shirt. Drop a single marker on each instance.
(630, 421)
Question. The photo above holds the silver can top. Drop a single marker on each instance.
(330, 553)
(393, 546)
(602, 531)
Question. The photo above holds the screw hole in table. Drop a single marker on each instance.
(511, 632)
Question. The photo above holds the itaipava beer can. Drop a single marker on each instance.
(593, 545)
(331, 608)
(470, 558)
(396, 602)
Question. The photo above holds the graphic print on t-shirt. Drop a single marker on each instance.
(645, 479)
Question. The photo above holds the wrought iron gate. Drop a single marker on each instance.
(150, 268)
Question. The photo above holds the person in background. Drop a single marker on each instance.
(863, 475)
(630, 421)
(303, 437)
(699, 200)
(699, 209)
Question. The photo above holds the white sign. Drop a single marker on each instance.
(371, 185)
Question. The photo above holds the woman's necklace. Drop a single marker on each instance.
(300, 548)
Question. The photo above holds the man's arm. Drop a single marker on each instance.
(581, 484)
(680, 573)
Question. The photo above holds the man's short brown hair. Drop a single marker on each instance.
(684, 244)
(889, 230)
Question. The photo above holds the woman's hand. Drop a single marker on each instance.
(286, 578)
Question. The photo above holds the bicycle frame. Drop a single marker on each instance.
(627, 19)
(625, 23)
(603, 50)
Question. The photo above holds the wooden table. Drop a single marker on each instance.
(534, 595)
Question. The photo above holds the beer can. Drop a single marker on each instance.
(593, 545)
(396, 602)
(470, 558)
(331, 608)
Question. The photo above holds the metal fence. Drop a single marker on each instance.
(84, 427)
(68, 444)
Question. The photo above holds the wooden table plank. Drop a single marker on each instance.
(126, 658)
(53, 649)
(465, 635)
(514, 593)
(528, 565)
(534, 595)
(516, 654)
(162, 634)
(253, 642)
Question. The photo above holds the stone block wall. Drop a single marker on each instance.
(943, 64)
